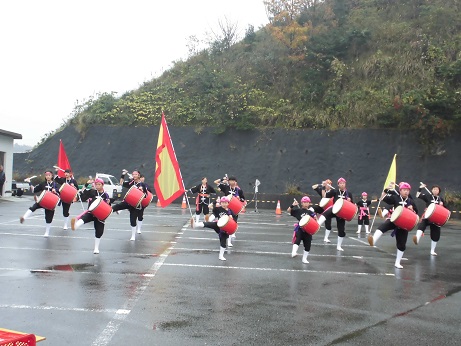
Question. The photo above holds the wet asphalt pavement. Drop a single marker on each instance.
(169, 288)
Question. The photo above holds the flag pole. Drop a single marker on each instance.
(187, 201)
(391, 177)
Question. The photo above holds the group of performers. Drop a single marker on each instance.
(224, 215)
(398, 199)
(54, 189)
(223, 219)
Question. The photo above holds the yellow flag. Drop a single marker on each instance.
(168, 181)
(392, 175)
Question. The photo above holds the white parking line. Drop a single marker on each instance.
(56, 308)
(277, 269)
(112, 327)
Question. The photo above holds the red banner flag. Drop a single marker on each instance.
(63, 161)
(168, 181)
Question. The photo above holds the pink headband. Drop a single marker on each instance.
(99, 180)
(305, 199)
(224, 199)
(341, 180)
(364, 194)
(404, 185)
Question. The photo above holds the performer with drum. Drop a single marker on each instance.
(346, 198)
(364, 216)
(48, 200)
(232, 190)
(145, 202)
(67, 179)
(407, 212)
(203, 198)
(300, 233)
(135, 207)
(324, 204)
(98, 210)
(223, 226)
(430, 198)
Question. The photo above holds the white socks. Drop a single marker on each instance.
(366, 229)
(294, 251)
(321, 220)
(340, 241)
(96, 245)
(372, 239)
(133, 233)
(305, 254)
(229, 242)
(359, 228)
(433, 245)
(197, 218)
(398, 259)
(26, 215)
(47, 230)
(138, 227)
(66, 221)
(417, 237)
(221, 253)
(327, 233)
(78, 224)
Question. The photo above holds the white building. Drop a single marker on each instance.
(6, 155)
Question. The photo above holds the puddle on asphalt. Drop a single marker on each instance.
(64, 267)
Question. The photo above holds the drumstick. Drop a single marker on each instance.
(27, 180)
(59, 168)
(331, 187)
(421, 183)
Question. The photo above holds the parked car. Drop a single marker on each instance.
(18, 188)
(111, 186)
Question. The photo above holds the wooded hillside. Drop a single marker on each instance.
(318, 64)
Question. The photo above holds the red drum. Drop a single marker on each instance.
(309, 224)
(326, 203)
(344, 209)
(67, 193)
(147, 200)
(100, 209)
(235, 204)
(48, 200)
(404, 218)
(134, 196)
(227, 224)
(437, 214)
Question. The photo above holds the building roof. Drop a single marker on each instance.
(10, 134)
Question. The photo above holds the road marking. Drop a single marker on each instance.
(57, 308)
(235, 250)
(276, 269)
(112, 327)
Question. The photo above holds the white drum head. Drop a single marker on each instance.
(324, 202)
(223, 220)
(304, 221)
(429, 211)
(95, 204)
(396, 213)
(338, 205)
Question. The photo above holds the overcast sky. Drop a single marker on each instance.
(54, 53)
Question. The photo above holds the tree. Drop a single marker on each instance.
(285, 27)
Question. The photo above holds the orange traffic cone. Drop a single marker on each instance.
(278, 210)
(183, 205)
(218, 201)
(158, 203)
